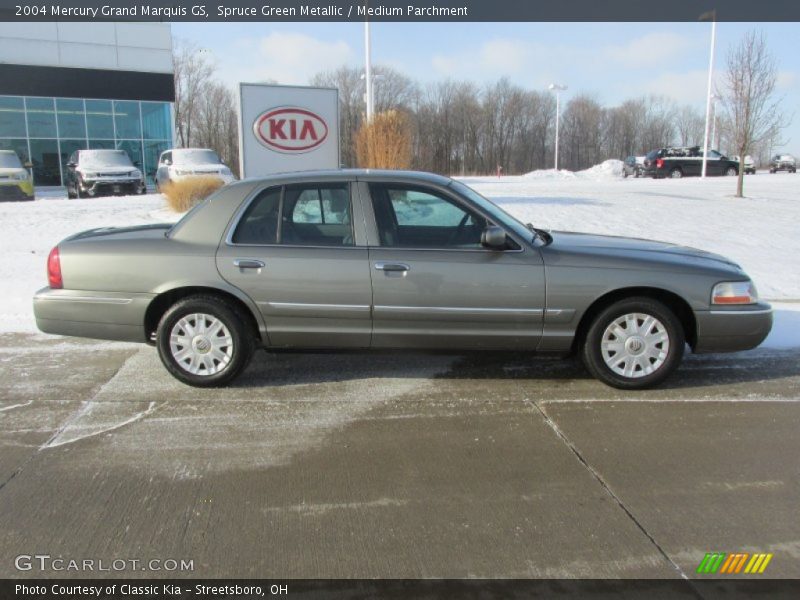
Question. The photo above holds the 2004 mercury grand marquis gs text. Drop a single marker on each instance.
(391, 259)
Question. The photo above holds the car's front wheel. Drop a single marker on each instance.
(204, 341)
(634, 343)
(731, 172)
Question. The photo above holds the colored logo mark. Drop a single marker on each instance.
(734, 563)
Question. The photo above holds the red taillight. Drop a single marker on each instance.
(659, 163)
(54, 269)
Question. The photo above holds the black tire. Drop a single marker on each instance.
(592, 352)
(731, 172)
(676, 173)
(242, 339)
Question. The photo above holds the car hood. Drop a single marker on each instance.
(641, 248)
(107, 169)
(9, 171)
(199, 167)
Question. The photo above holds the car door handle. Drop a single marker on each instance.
(392, 267)
(248, 263)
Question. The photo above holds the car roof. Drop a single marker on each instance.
(359, 174)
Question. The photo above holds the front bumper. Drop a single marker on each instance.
(110, 187)
(731, 329)
(19, 190)
(100, 315)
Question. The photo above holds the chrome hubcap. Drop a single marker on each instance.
(201, 344)
(635, 345)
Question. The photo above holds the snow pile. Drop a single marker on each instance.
(609, 169)
(550, 174)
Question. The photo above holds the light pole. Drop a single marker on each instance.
(712, 16)
(368, 71)
(714, 142)
(557, 88)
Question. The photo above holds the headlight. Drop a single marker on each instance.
(734, 292)
(225, 171)
(89, 175)
(21, 176)
(135, 173)
(182, 172)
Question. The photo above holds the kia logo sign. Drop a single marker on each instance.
(290, 129)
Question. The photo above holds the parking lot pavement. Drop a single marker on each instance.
(395, 465)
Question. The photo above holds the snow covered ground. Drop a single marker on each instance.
(761, 232)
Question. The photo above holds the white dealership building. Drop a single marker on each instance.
(66, 86)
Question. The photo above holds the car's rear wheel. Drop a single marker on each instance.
(731, 172)
(634, 343)
(676, 173)
(204, 341)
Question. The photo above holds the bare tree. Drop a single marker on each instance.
(192, 75)
(748, 95)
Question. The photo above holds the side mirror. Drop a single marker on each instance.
(494, 237)
(72, 165)
(28, 165)
(137, 163)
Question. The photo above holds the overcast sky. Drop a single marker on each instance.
(611, 61)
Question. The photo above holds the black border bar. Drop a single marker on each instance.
(397, 589)
(402, 10)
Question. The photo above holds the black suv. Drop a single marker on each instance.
(685, 162)
(102, 173)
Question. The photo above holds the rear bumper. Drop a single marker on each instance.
(20, 191)
(99, 315)
(732, 330)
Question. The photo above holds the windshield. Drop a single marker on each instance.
(9, 160)
(493, 210)
(195, 157)
(94, 159)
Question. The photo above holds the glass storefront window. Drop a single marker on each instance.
(44, 156)
(46, 131)
(102, 145)
(12, 117)
(156, 121)
(127, 119)
(152, 152)
(18, 145)
(41, 117)
(134, 150)
(99, 119)
(71, 118)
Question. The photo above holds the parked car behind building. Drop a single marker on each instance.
(15, 180)
(183, 163)
(687, 161)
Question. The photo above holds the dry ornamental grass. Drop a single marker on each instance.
(183, 195)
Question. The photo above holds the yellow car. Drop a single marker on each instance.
(15, 180)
